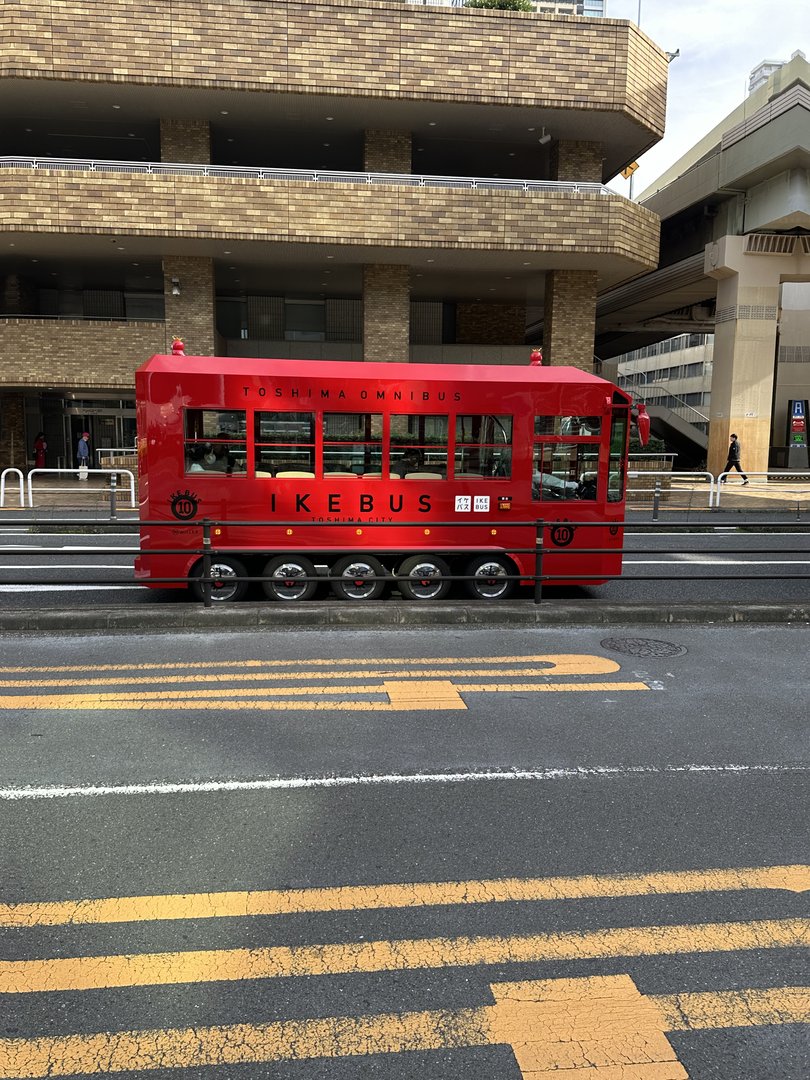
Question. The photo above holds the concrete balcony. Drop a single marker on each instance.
(470, 224)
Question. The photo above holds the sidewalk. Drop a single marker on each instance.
(386, 614)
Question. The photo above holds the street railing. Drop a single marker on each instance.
(207, 552)
(11, 472)
(82, 475)
(664, 486)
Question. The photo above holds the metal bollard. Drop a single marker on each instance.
(206, 563)
(538, 564)
(113, 483)
(656, 499)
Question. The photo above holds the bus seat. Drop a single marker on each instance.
(469, 474)
(260, 472)
(293, 472)
(340, 474)
(372, 476)
(423, 476)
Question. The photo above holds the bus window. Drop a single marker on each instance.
(419, 447)
(215, 441)
(483, 446)
(568, 425)
(352, 444)
(564, 471)
(618, 448)
(285, 442)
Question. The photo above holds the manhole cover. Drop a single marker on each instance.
(639, 646)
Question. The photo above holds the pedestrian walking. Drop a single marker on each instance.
(40, 446)
(83, 454)
(733, 461)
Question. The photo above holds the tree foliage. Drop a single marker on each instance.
(504, 5)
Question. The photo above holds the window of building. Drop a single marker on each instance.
(483, 446)
(216, 441)
(285, 442)
(304, 320)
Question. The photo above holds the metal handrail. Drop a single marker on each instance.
(209, 551)
(683, 404)
(332, 176)
(112, 473)
(3, 476)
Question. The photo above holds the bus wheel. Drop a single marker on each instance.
(225, 588)
(489, 577)
(424, 578)
(283, 578)
(358, 577)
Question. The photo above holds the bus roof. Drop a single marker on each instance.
(346, 369)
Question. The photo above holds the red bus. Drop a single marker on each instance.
(364, 471)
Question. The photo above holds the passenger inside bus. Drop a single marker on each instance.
(194, 461)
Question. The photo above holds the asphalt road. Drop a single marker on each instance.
(583, 827)
(739, 565)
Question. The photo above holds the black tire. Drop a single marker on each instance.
(489, 577)
(225, 589)
(358, 577)
(282, 578)
(424, 577)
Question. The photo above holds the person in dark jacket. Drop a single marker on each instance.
(733, 461)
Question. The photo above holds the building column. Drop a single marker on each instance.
(187, 141)
(188, 289)
(386, 313)
(13, 448)
(744, 351)
(576, 160)
(387, 152)
(569, 322)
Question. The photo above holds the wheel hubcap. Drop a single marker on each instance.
(360, 580)
(490, 579)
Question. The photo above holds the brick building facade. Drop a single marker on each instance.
(294, 179)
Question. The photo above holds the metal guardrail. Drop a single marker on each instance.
(208, 553)
(82, 475)
(331, 176)
(103, 452)
(714, 486)
(3, 475)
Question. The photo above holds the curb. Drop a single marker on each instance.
(153, 618)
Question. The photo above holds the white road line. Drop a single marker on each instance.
(290, 783)
(63, 566)
(67, 588)
(699, 560)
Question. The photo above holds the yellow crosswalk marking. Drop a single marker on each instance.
(233, 904)
(599, 1027)
(228, 965)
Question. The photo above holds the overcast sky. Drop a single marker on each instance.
(720, 42)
